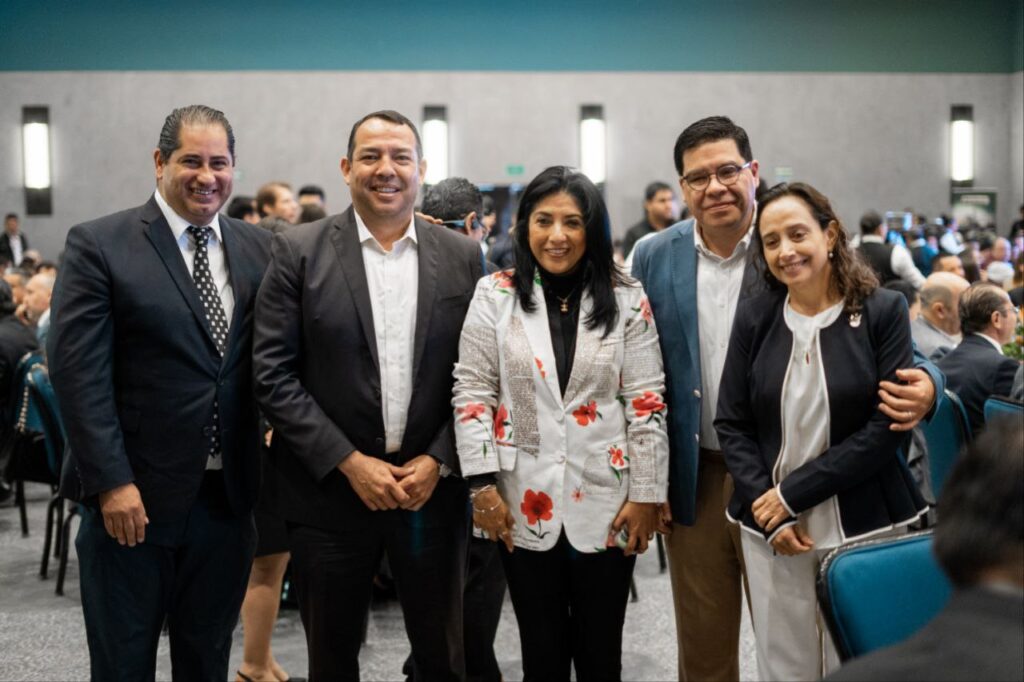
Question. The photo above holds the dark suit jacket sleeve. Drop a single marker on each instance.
(936, 375)
(442, 445)
(307, 432)
(861, 454)
(80, 349)
(735, 420)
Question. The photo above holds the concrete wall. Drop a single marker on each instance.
(868, 140)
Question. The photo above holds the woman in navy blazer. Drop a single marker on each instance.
(815, 463)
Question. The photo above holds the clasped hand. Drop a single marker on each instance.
(381, 485)
(769, 512)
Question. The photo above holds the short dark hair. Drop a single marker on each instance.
(267, 195)
(710, 129)
(600, 273)
(981, 508)
(193, 115)
(906, 288)
(9, 216)
(652, 189)
(937, 260)
(310, 213)
(391, 117)
(977, 303)
(453, 199)
(241, 207)
(312, 190)
(870, 222)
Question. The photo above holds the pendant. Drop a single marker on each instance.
(564, 307)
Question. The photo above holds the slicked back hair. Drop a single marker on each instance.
(710, 129)
(192, 115)
(977, 303)
(390, 116)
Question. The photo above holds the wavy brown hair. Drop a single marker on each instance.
(852, 278)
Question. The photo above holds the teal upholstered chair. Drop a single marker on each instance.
(946, 434)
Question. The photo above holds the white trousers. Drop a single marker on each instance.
(793, 642)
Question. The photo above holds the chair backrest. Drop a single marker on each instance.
(49, 412)
(998, 406)
(24, 412)
(947, 433)
(879, 592)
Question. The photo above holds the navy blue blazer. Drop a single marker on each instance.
(862, 468)
(136, 370)
(975, 370)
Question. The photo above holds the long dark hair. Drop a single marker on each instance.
(852, 278)
(600, 273)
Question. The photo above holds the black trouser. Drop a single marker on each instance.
(333, 573)
(570, 607)
(193, 571)
(484, 596)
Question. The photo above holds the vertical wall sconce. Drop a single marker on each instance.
(35, 142)
(593, 155)
(435, 143)
(961, 145)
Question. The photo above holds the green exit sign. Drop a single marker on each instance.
(514, 169)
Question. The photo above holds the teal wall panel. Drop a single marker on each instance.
(974, 36)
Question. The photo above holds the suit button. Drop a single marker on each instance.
(560, 417)
(696, 393)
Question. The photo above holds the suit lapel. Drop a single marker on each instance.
(240, 285)
(427, 253)
(538, 333)
(345, 239)
(159, 234)
(684, 289)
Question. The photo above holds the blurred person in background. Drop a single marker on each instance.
(244, 208)
(936, 331)
(277, 206)
(660, 209)
(313, 195)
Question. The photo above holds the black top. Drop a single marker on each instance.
(879, 257)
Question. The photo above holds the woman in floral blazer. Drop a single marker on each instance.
(560, 427)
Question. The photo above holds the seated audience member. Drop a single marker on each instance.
(1001, 251)
(29, 260)
(1017, 284)
(277, 206)
(813, 458)
(16, 278)
(35, 308)
(948, 262)
(972, 269)
(244, 208)
(46, 267)
(910, 294)
(889, 261)
(560, 428)
(977, 368)
(660, 208)
(311, 213)
(15, 340)
(937, 330)
(979, 542)
(920, 250)
(313, 195)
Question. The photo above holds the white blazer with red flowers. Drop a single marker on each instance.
(561, 462)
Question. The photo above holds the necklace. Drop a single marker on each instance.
(564, 302)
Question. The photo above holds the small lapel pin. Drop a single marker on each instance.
(855, 320)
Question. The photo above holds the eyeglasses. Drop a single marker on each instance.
(727, 175)
(461, 224)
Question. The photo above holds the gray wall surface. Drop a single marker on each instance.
(867, 140)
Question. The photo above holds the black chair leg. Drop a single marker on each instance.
(633, 596)
(662, 562)
(60, 524)
(19, 499)
(51, 512)
(65, 533)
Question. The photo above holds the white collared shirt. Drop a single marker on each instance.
(214, 249)
(990, 340)
(16, 251)
(393, 280)
(218, 268)
(719, 281)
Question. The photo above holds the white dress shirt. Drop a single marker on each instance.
(393, 280)
(218, 268)
(16, 251)
(901, 261)
(719, 281)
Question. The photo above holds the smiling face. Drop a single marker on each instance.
(718, 207)
(196, 180)
(795, 247)
(557, 233)
(384, 173)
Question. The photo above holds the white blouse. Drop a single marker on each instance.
(805, 417)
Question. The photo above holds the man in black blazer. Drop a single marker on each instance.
(979, 543)
(977, 368)
(354, 372)
(13, 243)
(150, 353)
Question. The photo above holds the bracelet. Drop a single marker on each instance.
(482, 489)
(486, 511)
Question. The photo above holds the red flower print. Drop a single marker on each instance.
(586, 413)
(616, 458)
(536, 507)
(540, 366)
(648, 404)
(500, 422)
(645, 312)
(577, 495)
(471, 411)
(503, 279)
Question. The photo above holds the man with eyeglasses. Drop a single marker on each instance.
(459, 205)
(695, 273)
(977, 368)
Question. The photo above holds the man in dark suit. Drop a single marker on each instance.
(977, 368)
(13, 243)
(979, 635)
(150, 354)
(357, 331)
